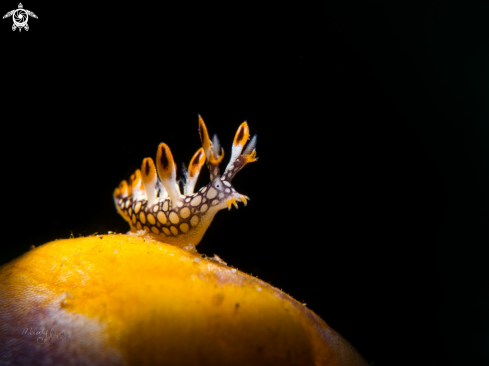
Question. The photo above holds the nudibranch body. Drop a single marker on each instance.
(152, 202)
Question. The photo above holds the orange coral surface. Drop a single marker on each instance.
(124, 300)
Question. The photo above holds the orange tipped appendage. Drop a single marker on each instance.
(165, 162)
(120, 193)
(204, 136)
(148, 174)
(148, 171)
(124, 189)
(196, 164)
(241, 136)
(126, 300)
(136, 181)
(167, 172)
(213, 154)
(239, 158)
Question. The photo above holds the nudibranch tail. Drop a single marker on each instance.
(152, 202)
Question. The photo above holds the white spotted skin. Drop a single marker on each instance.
(194, 233)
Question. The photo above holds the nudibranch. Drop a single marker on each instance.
(151, 201)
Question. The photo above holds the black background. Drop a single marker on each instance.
(370, 198)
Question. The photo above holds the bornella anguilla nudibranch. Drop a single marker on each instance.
(151, 201)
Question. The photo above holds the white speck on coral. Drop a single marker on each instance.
(197, 260)
(217, 259)
(141, 233)
(258, 288)
(116, 251)
(233, 270)
(190, 248)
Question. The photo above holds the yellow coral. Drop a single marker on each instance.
(124, 300)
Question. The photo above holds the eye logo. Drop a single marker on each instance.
(20, 17)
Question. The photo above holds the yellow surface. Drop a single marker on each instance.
(158, 304)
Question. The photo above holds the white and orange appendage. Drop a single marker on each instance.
(152, 202)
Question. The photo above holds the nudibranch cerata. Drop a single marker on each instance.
(151, 200)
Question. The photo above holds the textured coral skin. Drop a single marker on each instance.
(124, 300)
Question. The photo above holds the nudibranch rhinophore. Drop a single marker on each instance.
(152, 202)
